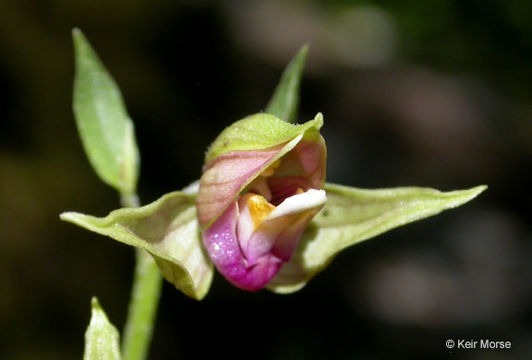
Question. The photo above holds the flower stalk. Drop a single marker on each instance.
(143, 303)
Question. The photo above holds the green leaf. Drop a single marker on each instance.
(101, 337)
(352, 215)
(285, 99)
(168, 230)
(257, 132)
(106, 131)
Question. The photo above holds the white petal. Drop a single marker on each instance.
(299, 203)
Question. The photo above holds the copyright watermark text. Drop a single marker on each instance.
(477, 344)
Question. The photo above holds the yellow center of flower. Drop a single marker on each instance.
(259, 208)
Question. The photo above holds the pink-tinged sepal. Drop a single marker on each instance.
(224, 178)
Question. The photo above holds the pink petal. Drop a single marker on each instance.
(249, 258)
(222, 245)
(307, 161)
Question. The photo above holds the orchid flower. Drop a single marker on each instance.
(256, 199)
(261, 213)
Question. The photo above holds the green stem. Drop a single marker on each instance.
(144, 300)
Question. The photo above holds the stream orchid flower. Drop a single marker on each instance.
(255, 201)
(262, 213)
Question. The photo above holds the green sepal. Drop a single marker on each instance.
(285, 100)
(353, 215)
(257, 132)
(106, 131)
(168, 230)
(101, 337)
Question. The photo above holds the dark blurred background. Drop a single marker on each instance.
(430, 93)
